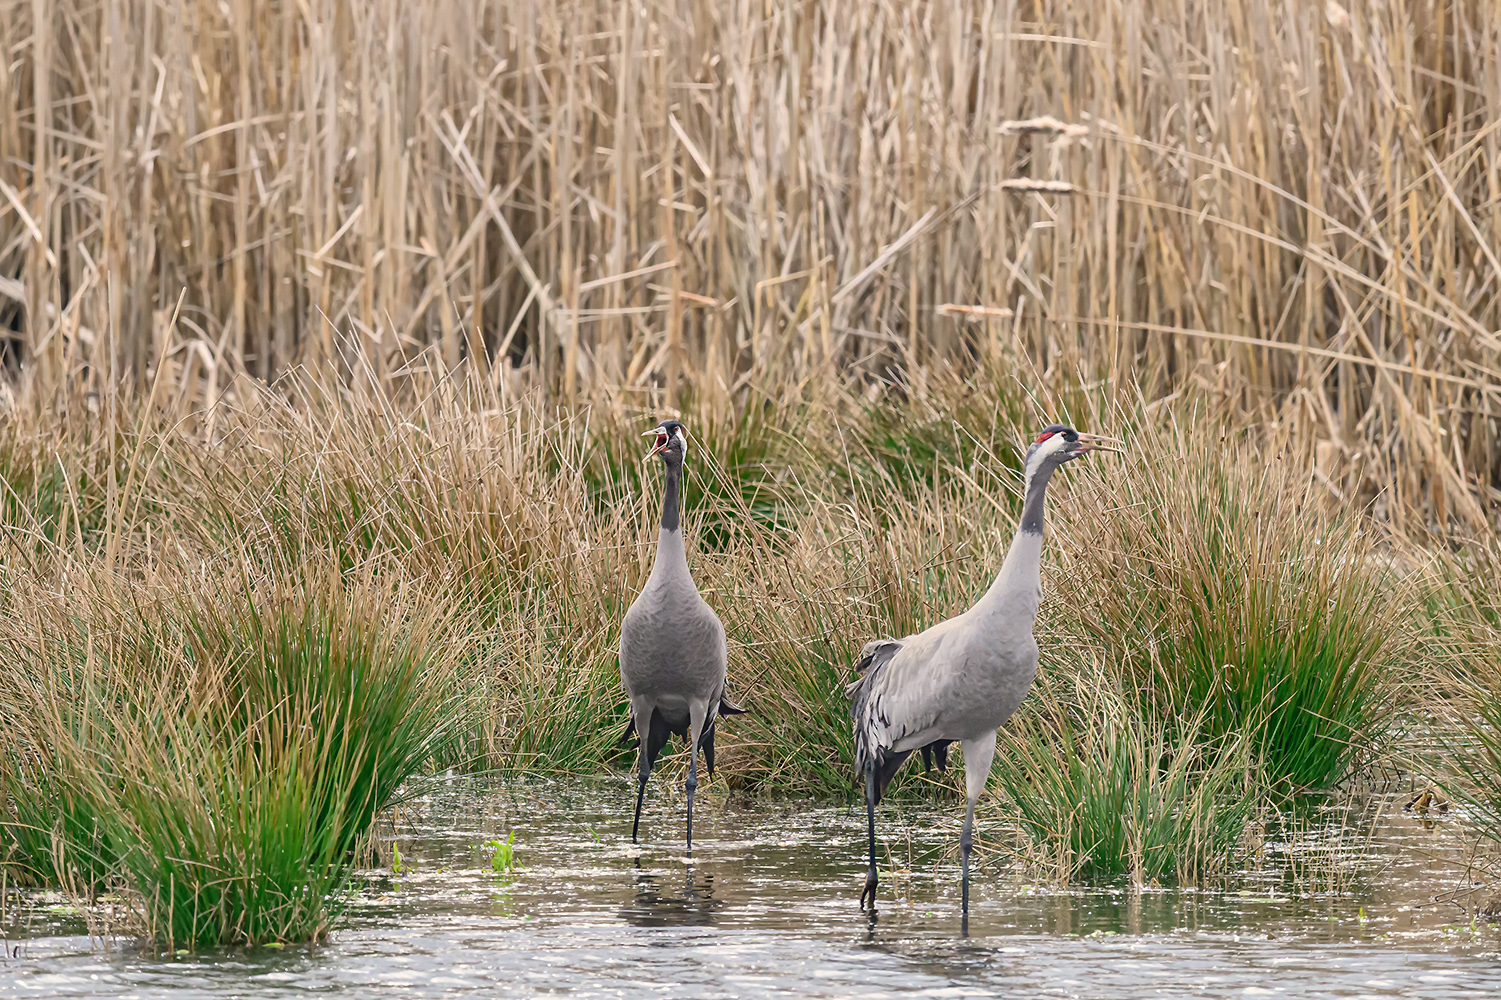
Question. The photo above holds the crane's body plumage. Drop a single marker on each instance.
(673, 657)
(960, 680)
(904, 702)
(672, 645)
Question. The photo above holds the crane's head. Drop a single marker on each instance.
(670, 441)
(1058, 443)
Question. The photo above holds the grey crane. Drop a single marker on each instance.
(672, 648)
(960, 680)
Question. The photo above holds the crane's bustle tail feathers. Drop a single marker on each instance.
(876, 649)
(873, 658)
(888, 762)
(727, 707)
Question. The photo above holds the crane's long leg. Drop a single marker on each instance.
(978, 755)
(644, 772)
(871, 876)
(697, 713)
(643, 711)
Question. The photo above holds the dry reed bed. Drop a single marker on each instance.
(1293, 204)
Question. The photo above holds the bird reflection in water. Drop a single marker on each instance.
(657, 904)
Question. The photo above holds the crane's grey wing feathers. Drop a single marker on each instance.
(863, 705)
(928, 690)
(873, 696)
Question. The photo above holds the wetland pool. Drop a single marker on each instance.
(1368, 907)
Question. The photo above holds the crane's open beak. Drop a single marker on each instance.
(1094, 442)
(659, 445)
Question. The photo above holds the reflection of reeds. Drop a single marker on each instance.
(1462, 667)
(1319, 851)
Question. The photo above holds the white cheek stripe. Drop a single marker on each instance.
(1053, 444)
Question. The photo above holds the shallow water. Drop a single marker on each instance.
(767, 907)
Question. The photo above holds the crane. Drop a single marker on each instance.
(960, 680)
(672, 645)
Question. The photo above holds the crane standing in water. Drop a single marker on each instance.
(672, 647)
(960, 680)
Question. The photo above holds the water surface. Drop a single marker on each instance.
(767, 907)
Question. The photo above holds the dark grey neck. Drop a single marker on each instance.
(670, 520)
(1037, 491)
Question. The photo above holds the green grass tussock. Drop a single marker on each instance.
(1220, 578)
(50, 831)
(1101, 788)
(232, 765)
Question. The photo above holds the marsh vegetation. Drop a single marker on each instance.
(319, 452)
(213, 683)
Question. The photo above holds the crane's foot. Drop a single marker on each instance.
(871, 880)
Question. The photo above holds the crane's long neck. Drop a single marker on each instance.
(670, 495)
(671, 556)
(1021, 573)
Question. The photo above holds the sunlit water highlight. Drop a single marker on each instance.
(767, 908)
